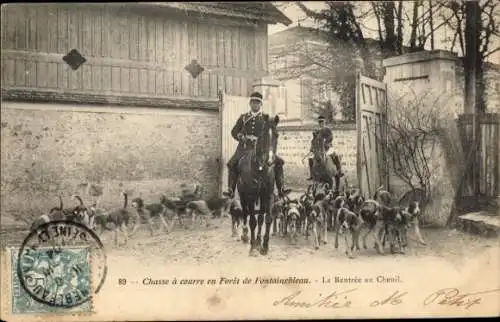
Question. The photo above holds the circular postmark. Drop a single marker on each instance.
(62, 264)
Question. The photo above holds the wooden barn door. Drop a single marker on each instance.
(230, 109)
(371, 119)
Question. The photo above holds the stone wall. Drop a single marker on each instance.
(294, 144)
(52, 149)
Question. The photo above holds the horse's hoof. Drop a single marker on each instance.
(351, 256)
(325, 242)
(264, 251)
(316, 247)
(253, 253)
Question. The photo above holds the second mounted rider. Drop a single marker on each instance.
(326, 133)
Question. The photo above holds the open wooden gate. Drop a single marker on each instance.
(371, 126)
(230, 109)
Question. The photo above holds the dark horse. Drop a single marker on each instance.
(256, 185)
(323, 169)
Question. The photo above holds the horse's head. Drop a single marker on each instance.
(269, 140)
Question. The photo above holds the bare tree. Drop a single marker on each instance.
(413, 131)
(485, 14)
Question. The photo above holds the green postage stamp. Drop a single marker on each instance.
(61, 278)
(58, 270)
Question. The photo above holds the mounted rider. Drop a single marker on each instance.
(326, 133)
(249, 127)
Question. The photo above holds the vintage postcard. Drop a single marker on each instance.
(250, 160)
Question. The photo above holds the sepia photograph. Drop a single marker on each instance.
(166, 161)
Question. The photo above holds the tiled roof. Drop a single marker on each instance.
(263, 11)
(308, 33)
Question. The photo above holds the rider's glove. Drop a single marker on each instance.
(241, 137)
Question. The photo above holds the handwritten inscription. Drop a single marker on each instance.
(334, 300)
(453, 297)
(343, 299)
(395, 298)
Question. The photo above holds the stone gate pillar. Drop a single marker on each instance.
(427, 80)
(425, 72)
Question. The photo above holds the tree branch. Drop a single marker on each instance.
(491, 52)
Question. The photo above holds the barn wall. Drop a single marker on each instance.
(50, 149)
(128, 51)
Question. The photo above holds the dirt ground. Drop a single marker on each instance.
(213, 244)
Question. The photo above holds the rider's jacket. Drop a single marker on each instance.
(325, 133)
(249, 124)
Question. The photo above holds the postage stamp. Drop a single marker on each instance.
(58, 269)
(72, 269)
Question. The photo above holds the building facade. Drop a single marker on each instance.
(131, 116)
(303, 56)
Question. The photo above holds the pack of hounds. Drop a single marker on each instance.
(349, 214)
(315, 212)
(119, 220)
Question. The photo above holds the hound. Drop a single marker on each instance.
(204, 208)
(120, 217)
(77, 213)
(148, 212)
(318, 220)
(349, 224)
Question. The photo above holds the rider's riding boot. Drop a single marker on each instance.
(310, 169)
(279, 177)
(336, 161)
(231, 183)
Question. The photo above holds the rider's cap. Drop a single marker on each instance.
(321, 118)
(256, 96)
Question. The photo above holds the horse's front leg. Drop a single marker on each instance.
(234, 225)
(244, 225)
(253, 225)
(265, 245)
(260, 222)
